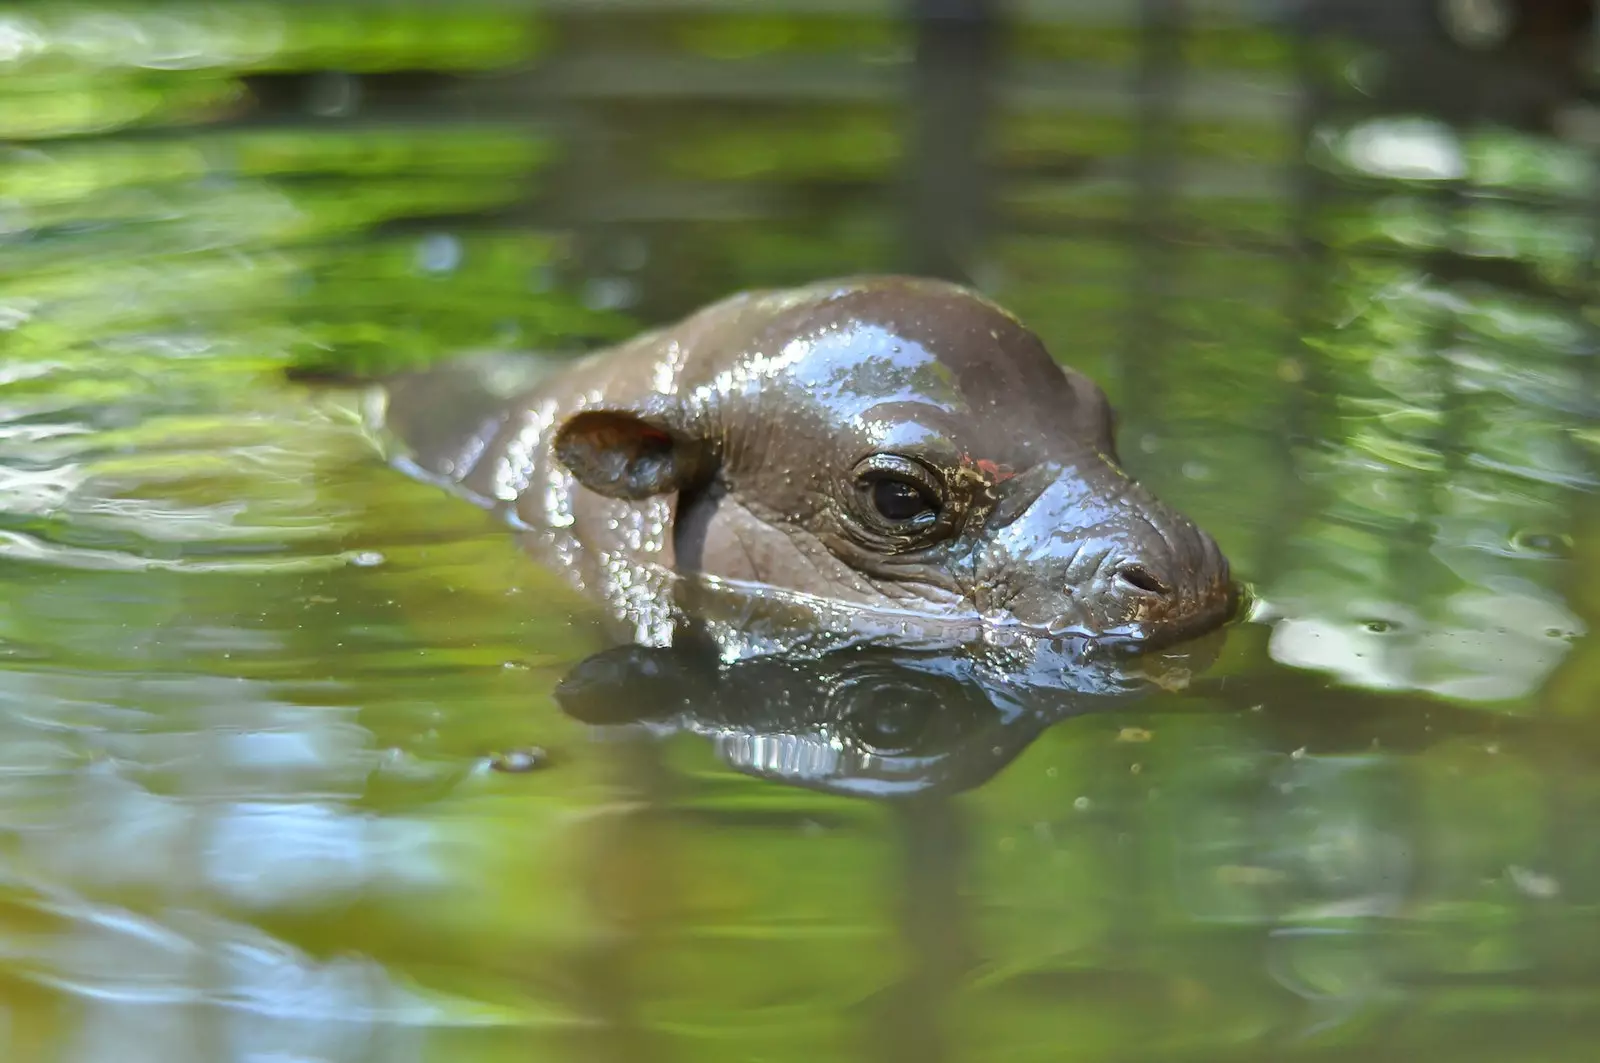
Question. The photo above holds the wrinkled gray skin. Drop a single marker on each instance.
(750, 443)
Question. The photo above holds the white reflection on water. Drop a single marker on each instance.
(263, 855)
(185, 985)
(1414, 148)
(1476, 645)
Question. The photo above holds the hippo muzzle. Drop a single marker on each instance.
(1095, 554)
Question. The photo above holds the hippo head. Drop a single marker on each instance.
(904, 444)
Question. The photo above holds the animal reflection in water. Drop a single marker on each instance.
(871, 719)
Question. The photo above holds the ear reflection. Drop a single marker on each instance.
(870, 720)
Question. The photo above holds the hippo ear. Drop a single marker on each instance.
(1094, 411)
(621, 454)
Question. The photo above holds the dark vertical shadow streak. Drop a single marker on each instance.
(948, 105)
(947, 191)
(1153, 286)
(1304, 414)
(1157, 86)
(592, 169)
(1573, 688)
(905, 1024)
(599, 977)
(629, 869)
(1411, 573)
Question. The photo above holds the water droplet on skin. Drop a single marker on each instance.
(1061, 625)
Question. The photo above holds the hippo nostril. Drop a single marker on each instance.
(1140, 579)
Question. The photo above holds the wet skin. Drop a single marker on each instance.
(889, 443)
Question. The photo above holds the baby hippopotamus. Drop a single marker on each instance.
(894, 444)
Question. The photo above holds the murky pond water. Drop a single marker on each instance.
(255, 684)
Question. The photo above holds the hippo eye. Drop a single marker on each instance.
(900, 501)
(901, 491)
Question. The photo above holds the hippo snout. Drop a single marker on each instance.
(1162, 580)
(1133, 569)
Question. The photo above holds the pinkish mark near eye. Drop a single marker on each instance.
(996, 473)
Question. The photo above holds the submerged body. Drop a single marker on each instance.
(889, 444)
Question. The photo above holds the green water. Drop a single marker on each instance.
(251, 677)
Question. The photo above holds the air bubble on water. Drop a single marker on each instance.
(366, 558)
(1195, 470)
(333, 94)
(1541, 544)
(439, 253)
(609, 293)
(1081, 804)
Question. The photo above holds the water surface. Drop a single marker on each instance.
(253, 681)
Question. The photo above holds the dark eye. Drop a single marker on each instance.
(901, 494)
(900, 501)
